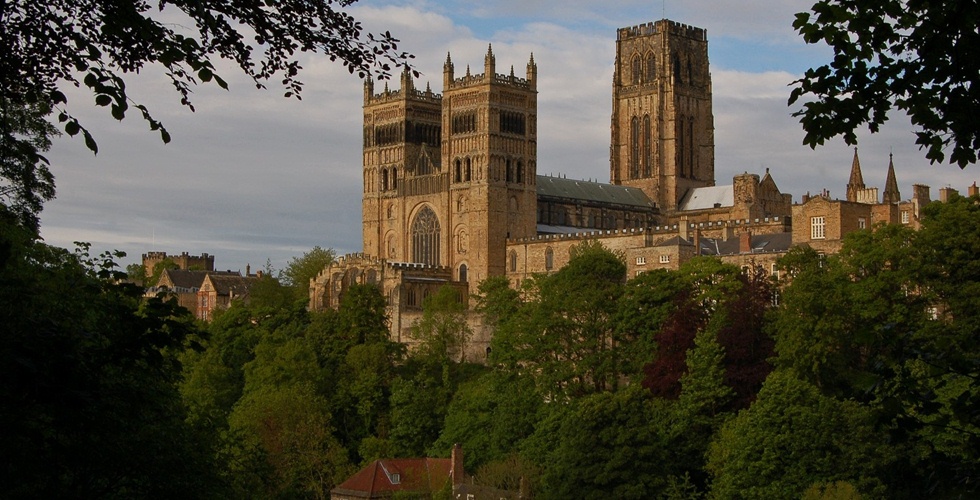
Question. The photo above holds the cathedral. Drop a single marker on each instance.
(451, 192)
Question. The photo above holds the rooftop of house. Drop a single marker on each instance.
(708, 197)
(398, 474)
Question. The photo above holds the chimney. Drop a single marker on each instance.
(946, 193)
(745, 242)
(457, 473)
(248, 269)
(973, 190)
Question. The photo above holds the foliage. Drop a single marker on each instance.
(52, 44)
(300, 270)
(565, 334)
(919, 57)
(793, 437)
(89, 380)
(25, 180)
(442, 332)
(607, 443)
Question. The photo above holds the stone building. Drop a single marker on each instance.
(452, 195)
(203, 262)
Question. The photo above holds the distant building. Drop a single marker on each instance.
(185, 261)
(184, 285)
(218, 290)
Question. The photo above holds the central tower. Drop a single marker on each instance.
(662, 123)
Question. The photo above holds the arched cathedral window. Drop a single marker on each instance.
(651, 68)
(677, 69)
(647, 149)
(425, 237)
(634, 147)
(635, 70)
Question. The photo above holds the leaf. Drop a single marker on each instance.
(103, 100)
(90, 142)
(72, 128)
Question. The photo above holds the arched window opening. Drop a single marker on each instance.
(513, 261)
(549, 259)
(394, 178)
(463, 272)
(647, 149)
(677, 69)
(509, 175)
(690, 147)
(634, 148)
(690, 71)
(384, 180)
(635, 70)
(425, 237)
(520, 172)
(680, 148)
(457, 171)
(467, 171)
(651, 68)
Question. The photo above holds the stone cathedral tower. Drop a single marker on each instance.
(662, 124)
(447, 179)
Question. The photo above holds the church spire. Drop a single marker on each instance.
(856, 182)
(891, 194)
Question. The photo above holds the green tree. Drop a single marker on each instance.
(565, 333)
(442, 332)
(90, 375)
(300, 270)
(607, 445)
(918, 57)
(25, 180)
(793, 437)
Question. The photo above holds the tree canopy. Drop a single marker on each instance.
(51, 45)
(922, 58)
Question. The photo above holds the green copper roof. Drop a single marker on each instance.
(595, 192)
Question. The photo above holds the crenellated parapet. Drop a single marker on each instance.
(671, 27)
(737, 225)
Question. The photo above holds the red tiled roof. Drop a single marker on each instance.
(413, 474)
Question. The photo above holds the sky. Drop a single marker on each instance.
(257, 179)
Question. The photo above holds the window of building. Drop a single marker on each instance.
(665, 259)
(774, 270)
(634, 148)
(905, 216)
(647, 150)
(641, 261)
(425, 237)
(862, 223)
(817, 228)
(549, 259)
(463, 272)
(635, 70)
(651, 67)
(513, 261)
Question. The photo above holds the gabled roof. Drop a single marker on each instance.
(231, 285)
(595, 192)
(761, 243)
(381, 477)
(676, 241)
(707, 197)
(185, 279)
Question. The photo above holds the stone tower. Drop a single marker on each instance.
(662, 123)
(489, 147)
(402, 134)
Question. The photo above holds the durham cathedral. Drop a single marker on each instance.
(452, 194)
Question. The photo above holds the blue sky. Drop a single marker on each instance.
(253, 177)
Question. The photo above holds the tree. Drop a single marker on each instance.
(300, 270)
(90, 371)
(442, 332)
(794, 437)
(922, 58)
(50, 45)
(25, 180)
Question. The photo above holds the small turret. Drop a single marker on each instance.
(368, 89)
(891, 194)
(447, 72)
(408, 83)
(532, 72)
(489, 63)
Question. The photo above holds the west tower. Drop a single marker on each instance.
(662, 123)
(489, 147)
(402, 135)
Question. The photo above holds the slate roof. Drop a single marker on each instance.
(595, 192)
(378, 479)
(232, 285)
(189, 280)
(674, 242)
(761, 243)
(706, 197)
